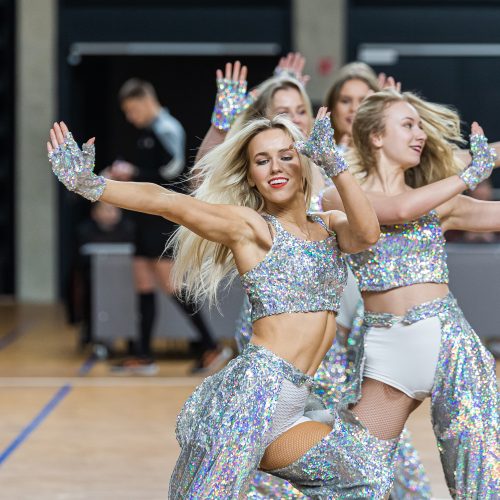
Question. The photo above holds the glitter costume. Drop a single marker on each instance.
(321, 148)
(312, 280)
(464, 396)
(483, 161)
(332, 381)
(74, 167)
(231, 100)
(226, 425)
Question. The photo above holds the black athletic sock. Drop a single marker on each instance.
(147, 309)
(207, 342)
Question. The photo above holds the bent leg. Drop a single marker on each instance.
(383, 409)
(293, 444)
(465, 411)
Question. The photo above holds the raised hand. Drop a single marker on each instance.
(292, 65)
(232, 97)
(320, 147)
(74, 166)
(388, 82)
(483, 158)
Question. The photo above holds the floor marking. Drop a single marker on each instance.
(25, 433)
(100, 381)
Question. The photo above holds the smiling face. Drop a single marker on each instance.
(275, 169)
(289, 101)
(351, 95)
(403, 140)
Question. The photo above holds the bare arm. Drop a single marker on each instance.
(212, 138)
(406, 206)
(413, 203)
(219, 223)
(360, 229)
(225, 224)
(469, 214)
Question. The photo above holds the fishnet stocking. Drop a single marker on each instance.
(292, 444)
(383, 409)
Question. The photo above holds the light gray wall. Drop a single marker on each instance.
(319, 33)
(36, 221)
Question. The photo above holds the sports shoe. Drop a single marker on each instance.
(135, 366)
(212, 361)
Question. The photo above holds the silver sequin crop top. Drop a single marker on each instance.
(404, 255)
(296, 275)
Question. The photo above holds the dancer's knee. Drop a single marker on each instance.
(292, 444)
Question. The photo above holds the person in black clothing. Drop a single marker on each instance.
(160, 159)
(106, 224)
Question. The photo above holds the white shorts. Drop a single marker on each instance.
(289, 410)
(404, 356)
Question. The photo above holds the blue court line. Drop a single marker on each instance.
(14, 334)
(87, 365)
(24, 434)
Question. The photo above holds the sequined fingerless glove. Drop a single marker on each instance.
(483, 161)
(282, 72)
(321, 148)
(231, 100)
(74, 168)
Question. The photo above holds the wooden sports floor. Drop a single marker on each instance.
(71, 431)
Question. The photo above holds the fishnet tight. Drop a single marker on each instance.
(383, 409)
(292, 444)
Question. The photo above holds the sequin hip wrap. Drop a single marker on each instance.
(333, 380)
(464, 399)
(224, 427)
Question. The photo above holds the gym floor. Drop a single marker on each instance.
(72, 431)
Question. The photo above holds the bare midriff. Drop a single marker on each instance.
(399, 300)
(302, 339)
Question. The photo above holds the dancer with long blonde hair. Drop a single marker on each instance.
(248, 217)
(417, 343)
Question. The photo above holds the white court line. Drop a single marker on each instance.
(100, 381)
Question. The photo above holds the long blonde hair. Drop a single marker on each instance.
(440, 123)
(201, 265)
(261, 107)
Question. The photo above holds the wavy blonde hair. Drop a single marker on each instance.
(201, 265)
(261, 107)
(440, 123)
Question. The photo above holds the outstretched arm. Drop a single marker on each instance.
(74, 168)
(469, 214)
(414, 203)
(360, 228)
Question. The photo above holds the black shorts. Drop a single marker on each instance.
(151, 236)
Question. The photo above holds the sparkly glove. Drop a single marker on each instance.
(74, 168)
(483, 161)
(286, 73)
(321, 148)
(231, 100)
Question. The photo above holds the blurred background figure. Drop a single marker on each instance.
(160, 159)
(106, 224)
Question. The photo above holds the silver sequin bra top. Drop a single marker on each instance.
(404, 255)
(296, 275)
